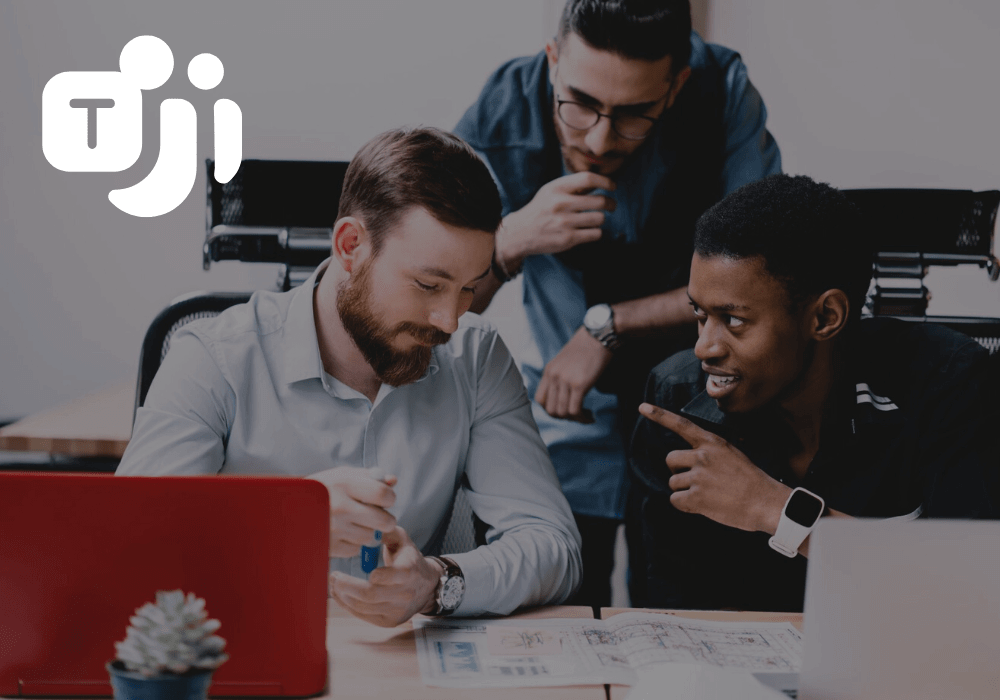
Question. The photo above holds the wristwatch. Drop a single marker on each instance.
(450, 589)
(600, 323)
(799, 516)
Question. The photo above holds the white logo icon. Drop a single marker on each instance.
(92, 122)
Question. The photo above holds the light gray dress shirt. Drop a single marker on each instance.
(245, 393)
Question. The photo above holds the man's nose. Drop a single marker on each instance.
(709, 345)
(444, 316)
(601, 137)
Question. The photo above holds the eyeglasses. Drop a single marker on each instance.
(577, 115)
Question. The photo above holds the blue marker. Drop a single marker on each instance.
(370, 552)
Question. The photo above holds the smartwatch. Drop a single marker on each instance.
(600, 323)
(799, 516)
(450, 589)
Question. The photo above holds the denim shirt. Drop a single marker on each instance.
(711, 141)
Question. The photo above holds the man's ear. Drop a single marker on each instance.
(676, 84)
(829, 314)
(552, 53)
(348, 236)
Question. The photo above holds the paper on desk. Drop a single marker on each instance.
(456, 653)
(518, 641)
(699, 682)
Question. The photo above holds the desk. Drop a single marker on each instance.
(618, 692)
(373, 662)
(97, 425)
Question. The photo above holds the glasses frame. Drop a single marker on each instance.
(611, 116)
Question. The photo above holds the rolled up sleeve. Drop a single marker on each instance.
(533, 551)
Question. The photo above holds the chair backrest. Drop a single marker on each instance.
(465, 531)
(914, 228)
(274, 211)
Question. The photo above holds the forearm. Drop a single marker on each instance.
(653, 313)
(531, 565)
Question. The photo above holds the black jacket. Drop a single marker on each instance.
(907, 436)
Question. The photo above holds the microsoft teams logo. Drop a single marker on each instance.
(92, 122)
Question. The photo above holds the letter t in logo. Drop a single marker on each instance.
(91, 106)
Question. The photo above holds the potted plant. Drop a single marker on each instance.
(169, 651)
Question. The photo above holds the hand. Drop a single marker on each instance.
(358, 505)
(560, 216)
(393, 593)
(570, 375)
(717, 480)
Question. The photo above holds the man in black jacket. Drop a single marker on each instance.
(791, 407)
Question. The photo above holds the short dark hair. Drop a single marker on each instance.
(421, 167)
(644, 29)
(810, 237)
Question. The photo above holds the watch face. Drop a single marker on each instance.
(452, 592)
(803, 508)
(597, 316)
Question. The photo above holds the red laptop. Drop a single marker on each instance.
(79, 553)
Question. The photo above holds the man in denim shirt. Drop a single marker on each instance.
(606, 147)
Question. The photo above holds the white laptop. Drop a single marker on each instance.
(902, 610)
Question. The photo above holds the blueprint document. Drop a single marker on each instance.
(455, 653)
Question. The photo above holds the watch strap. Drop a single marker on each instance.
(501, 272)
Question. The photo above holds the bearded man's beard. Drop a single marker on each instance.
(374, 339)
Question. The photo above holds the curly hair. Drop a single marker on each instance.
(810, 237)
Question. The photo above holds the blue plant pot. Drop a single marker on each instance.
(128, 685)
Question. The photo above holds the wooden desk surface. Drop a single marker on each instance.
(373, 662)
(97, 425)
(618, 692)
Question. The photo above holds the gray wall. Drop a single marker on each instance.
(859, 92)
(79, 280)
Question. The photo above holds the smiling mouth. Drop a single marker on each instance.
(718, 386)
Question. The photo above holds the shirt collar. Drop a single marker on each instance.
(300, 359)
(704, 407)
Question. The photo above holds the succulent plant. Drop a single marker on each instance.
(172, 636)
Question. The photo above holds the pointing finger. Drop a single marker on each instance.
(692, 434)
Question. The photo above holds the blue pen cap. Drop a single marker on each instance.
(370, 553)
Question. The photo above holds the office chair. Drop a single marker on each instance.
(465, 531)
(274, 211)
(917, 228)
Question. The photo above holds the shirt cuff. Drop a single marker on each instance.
(479, 584)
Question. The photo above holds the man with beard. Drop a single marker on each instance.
(607, 146)
(369, 378)
(791, 406)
